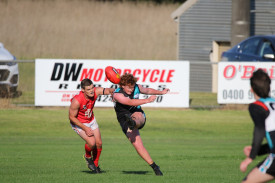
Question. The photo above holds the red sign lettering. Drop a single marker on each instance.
(248, 71)
(227, 70)
(137, 72)
(145, 75)
(272, 72)
(153, 78)
(98, 75)
(86, 74)
(170, 75)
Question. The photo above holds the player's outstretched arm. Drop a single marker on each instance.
(151, 91)
(118, 97)
(73, 111)
(104, 91)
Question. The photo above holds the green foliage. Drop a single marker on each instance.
(38, 145)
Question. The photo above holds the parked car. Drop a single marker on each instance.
(255, 48)
(9, 74)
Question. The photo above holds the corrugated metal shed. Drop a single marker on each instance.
(205, 21)
(262, 17)
(200, 22)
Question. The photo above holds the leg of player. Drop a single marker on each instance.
(131, 123)
(98, 148)
(135, 139)
(90, 144)
(139, 118)
(256, 176)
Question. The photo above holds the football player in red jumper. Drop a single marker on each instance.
(83, 121)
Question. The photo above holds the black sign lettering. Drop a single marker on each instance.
(57, 71)
(72, 71)
(65, 86)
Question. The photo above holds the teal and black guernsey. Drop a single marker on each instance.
(122, 109)
(262, 112)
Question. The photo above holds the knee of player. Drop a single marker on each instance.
(139, 119)
(99, 144)
(91, 144)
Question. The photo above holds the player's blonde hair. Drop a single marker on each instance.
(127, 79)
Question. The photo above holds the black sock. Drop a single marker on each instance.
(153, 165)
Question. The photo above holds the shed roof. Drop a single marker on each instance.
(185, 6)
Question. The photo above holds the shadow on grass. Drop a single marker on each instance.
(90, 172)
(135, 172)
(124, 172)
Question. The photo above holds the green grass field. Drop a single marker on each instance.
(38, 145)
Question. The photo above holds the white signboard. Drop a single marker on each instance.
(234, 81)
(58, 80)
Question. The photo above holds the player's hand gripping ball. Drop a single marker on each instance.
(112, 74)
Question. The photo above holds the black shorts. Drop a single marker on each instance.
(268, 165)
(122, 120)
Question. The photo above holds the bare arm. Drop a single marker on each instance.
(107, 91)
(119, 97)
(258, 114)
(151, 91)
(73, 111)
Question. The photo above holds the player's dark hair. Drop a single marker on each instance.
(85, 82)
(260, 83)
(127, 79)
